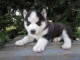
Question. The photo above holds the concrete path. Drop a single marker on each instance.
(52, 52)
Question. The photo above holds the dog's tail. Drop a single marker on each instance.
(76, 38)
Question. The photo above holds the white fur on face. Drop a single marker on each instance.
(67, 40)
(33, 18)
(37, 37)
(39, 29)
(33, 26)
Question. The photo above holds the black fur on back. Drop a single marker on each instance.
(56, 29)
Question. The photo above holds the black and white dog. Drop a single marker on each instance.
(43, 31)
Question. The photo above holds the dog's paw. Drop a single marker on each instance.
(38, 48)
(66, 46)
(19, 43)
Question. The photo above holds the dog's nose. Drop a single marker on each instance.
(33, 31)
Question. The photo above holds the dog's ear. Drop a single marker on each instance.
(24, 13)
(44, 13)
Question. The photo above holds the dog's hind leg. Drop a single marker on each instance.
(67, 40)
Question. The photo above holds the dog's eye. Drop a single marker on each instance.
(28, 23)
(38, 23)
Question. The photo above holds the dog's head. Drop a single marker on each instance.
(34, 21)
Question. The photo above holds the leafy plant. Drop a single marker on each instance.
(3, 38)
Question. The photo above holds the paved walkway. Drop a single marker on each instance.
(52, 52)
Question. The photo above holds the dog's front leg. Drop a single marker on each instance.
(24, 41)
(41, 44)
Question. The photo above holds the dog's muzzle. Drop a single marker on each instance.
(33, 31)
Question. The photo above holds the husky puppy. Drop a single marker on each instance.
(43, 31)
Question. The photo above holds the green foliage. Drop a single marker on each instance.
(77, 33)
(3, 38)
(65, 11)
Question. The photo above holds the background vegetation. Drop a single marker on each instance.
(11, 25)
